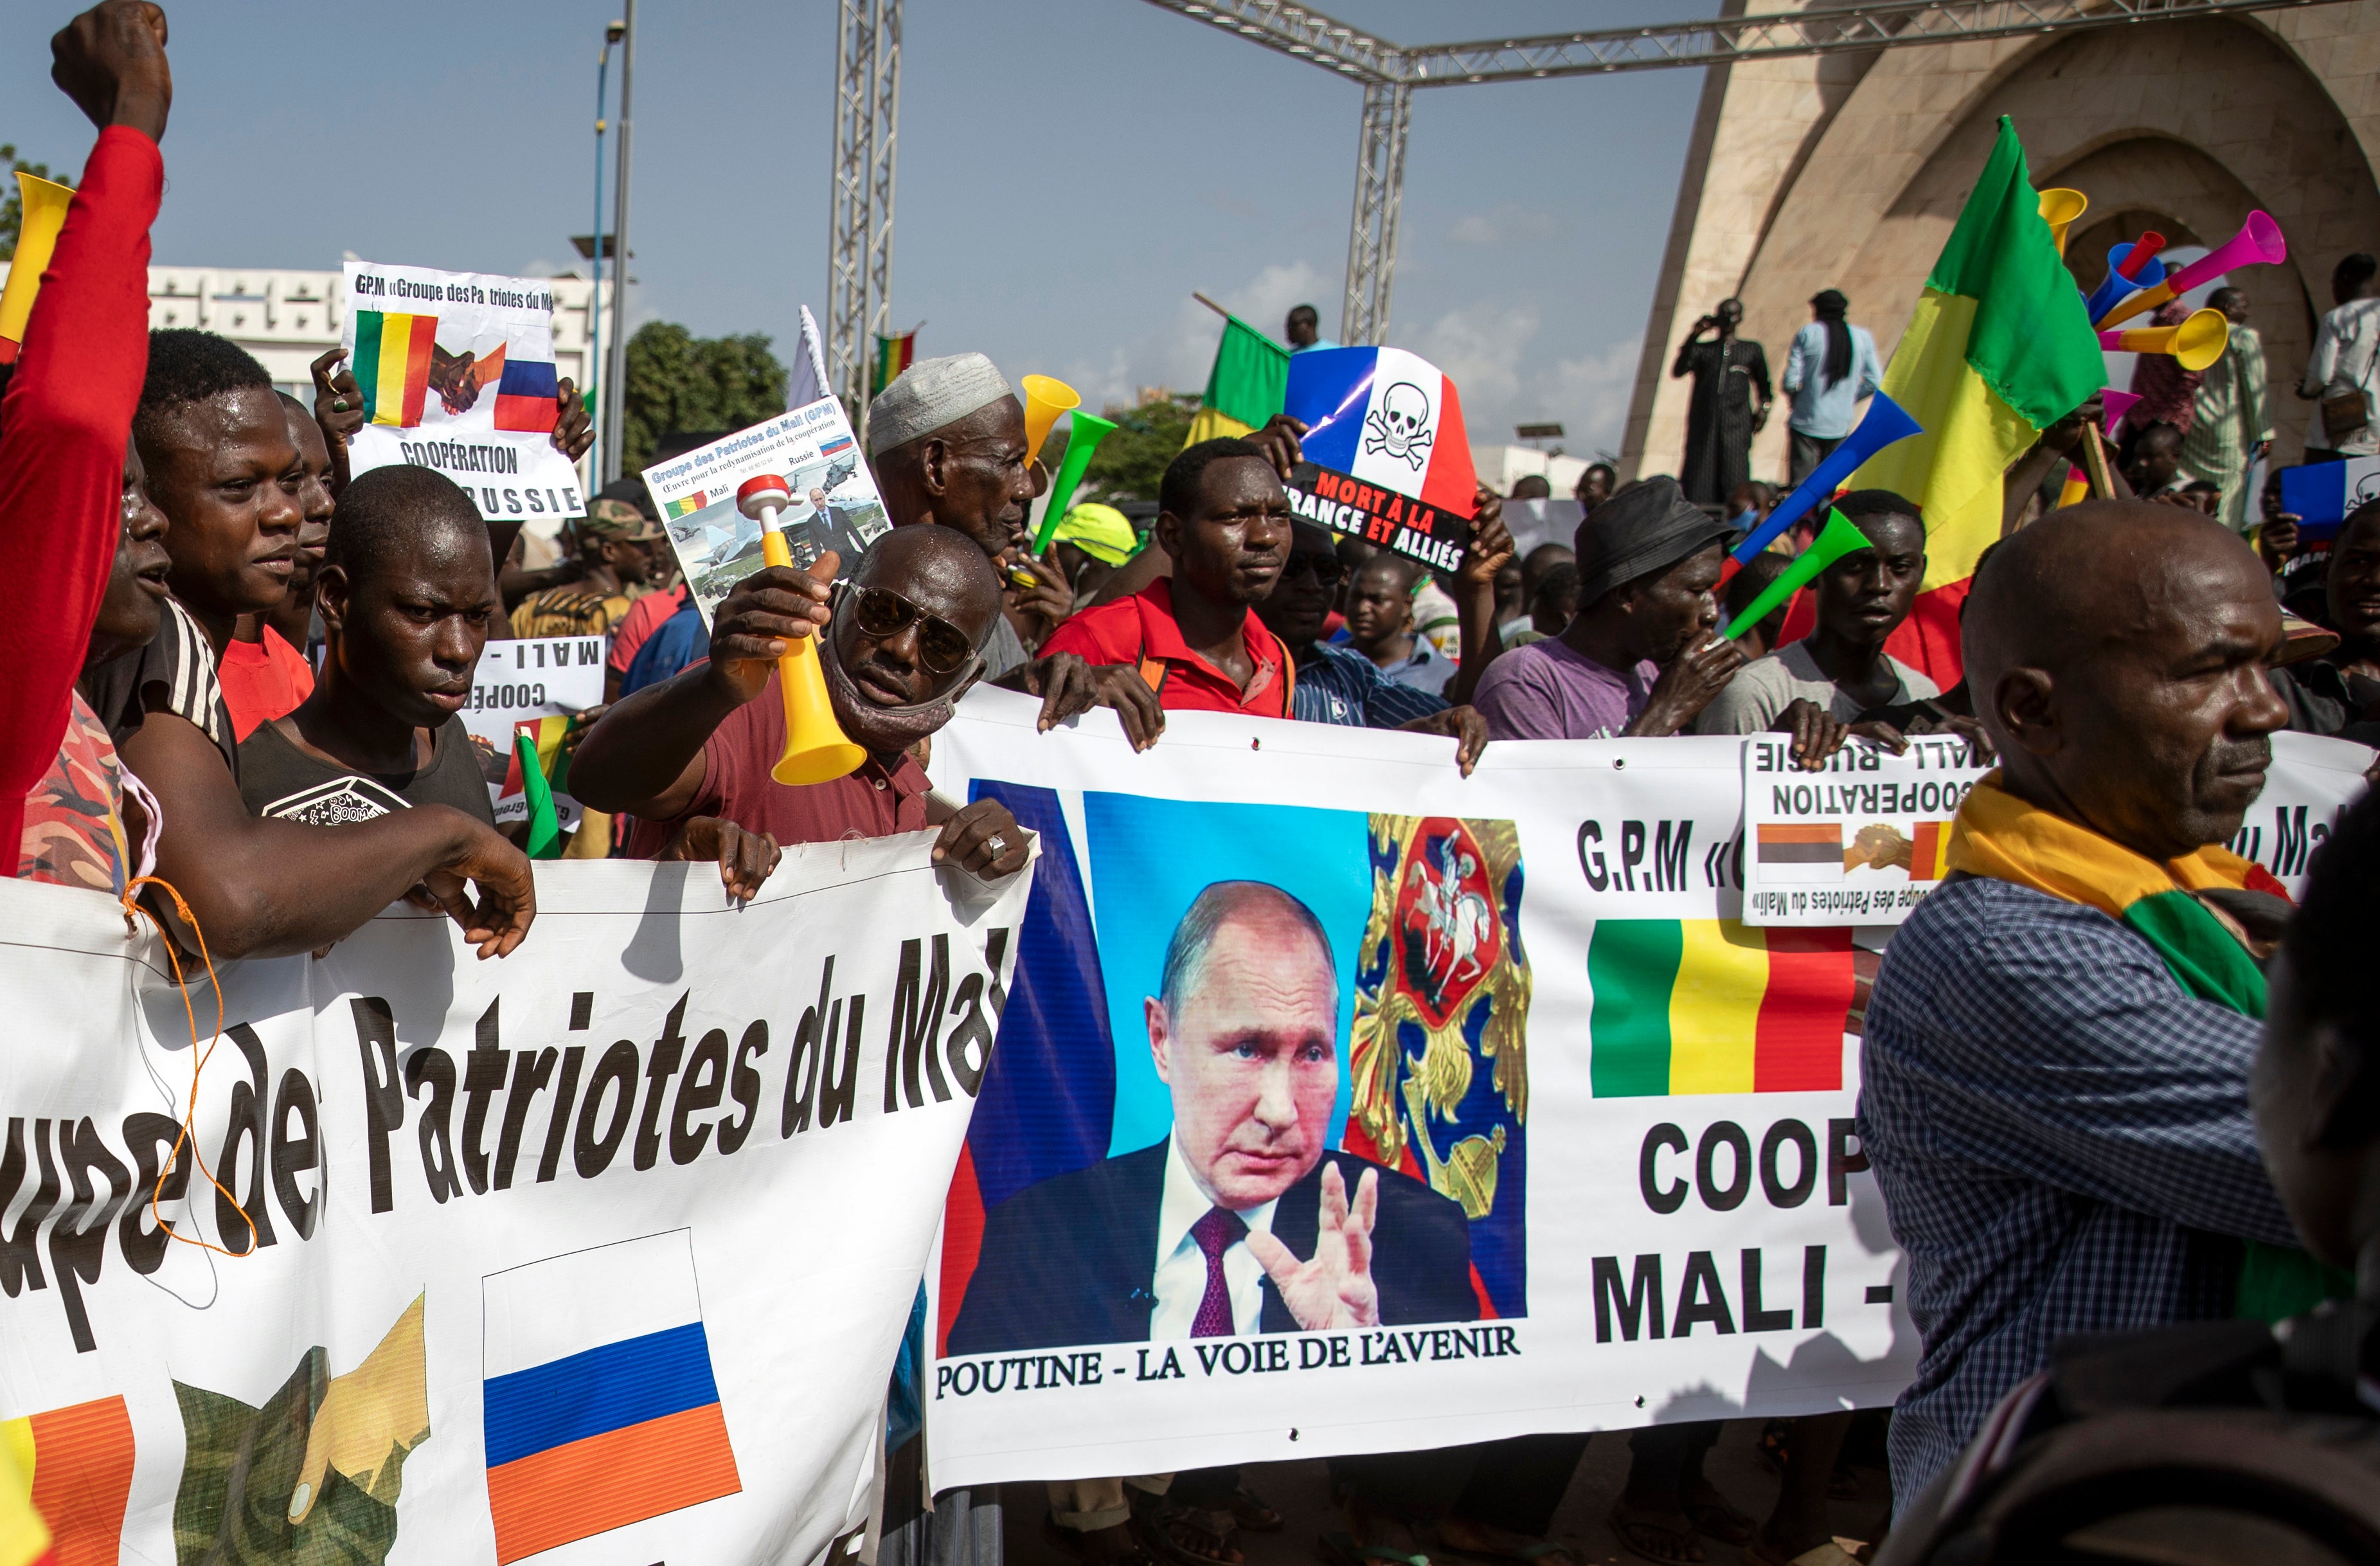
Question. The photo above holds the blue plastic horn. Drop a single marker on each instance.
(2117, 288)
(1886, 422)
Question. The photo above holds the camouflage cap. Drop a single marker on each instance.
(618, 519)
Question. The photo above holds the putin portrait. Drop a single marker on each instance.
(1240, 1220)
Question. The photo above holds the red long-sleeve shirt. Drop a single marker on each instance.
(63, 430)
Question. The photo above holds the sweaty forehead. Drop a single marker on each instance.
(1234, 484)
(229, 428)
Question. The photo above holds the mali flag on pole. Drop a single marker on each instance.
(1246, 387)
(2000, 348)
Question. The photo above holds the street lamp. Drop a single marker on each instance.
(597, 379)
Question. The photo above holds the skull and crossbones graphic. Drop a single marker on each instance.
(1399, 426)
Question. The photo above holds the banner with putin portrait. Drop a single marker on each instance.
(1342, 1104)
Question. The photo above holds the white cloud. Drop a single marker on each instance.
(1507, 225)
(1178, 354)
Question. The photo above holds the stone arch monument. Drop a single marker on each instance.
(1848, 171)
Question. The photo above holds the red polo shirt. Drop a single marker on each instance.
(875, 801)
(1141, 630)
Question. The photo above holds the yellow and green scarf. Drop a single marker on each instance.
(2003, 837)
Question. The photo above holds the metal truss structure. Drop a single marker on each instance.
(1389, 72)
(859, 223)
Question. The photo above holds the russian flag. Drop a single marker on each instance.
(2322, 495)
(1384, 417)
(525, 397)
(835, 444)
(599, 1406)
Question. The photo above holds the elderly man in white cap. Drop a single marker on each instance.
(946, 443)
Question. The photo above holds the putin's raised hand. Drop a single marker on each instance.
(1334, 1290)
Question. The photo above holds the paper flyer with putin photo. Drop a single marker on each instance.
(835, 504)
(458, 374)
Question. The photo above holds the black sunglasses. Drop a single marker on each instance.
(883, 615)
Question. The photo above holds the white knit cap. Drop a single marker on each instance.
(930, 395)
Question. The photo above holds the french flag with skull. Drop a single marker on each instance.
(1384, 417)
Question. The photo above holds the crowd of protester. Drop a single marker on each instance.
(240, 670)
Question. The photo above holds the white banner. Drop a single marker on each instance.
(1609, 1126)
(458, 374)
(600, 1252)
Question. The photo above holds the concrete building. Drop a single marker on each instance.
(1847, 171)
(288, 319)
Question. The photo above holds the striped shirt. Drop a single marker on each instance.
(1339, 684)
(174, 674)
(2061, 1136)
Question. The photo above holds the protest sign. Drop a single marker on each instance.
(1385, 453)
(529, 682)
(1863, 840)
(835, 505)
(599, 1253)
(456, 371)
(1609, 1125)
(1860, 841)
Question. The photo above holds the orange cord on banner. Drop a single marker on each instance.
(199, 1055)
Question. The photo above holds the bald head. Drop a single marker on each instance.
(940, 571)
(2117, 653)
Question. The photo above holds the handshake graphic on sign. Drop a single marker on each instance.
(1882, 846)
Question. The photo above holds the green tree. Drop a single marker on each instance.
(677, 380)
(12, 208)
(1129, 462)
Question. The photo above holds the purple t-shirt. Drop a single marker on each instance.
(1547, 691)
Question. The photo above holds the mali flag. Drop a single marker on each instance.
(1246, 387)
(65, 1477)
(393, 365)
(2000, 348)
(1716, 1006)
(892, 357)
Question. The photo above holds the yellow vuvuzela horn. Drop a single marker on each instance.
(817, 750)
(2194, 344)
(45, 212)
(1045, 399)
(2060, 209)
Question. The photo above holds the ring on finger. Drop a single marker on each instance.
(338, 404)
(997, 845)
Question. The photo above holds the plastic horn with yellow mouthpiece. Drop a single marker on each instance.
(2194, 344)
(2258, 243)
(37, 235)
(1045, 399)
(2060, 209)
(817, 750)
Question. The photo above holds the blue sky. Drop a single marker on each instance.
(1069, 171)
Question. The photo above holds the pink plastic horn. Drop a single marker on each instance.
(2117, 403)
(2258, 241)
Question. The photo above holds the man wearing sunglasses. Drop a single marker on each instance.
(903, 639)
(1339, 684)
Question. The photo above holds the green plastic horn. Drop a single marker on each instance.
(1084, 439)
(1837, 539)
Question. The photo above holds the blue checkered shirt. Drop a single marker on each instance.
(1341, 685)
(2062, 1139)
